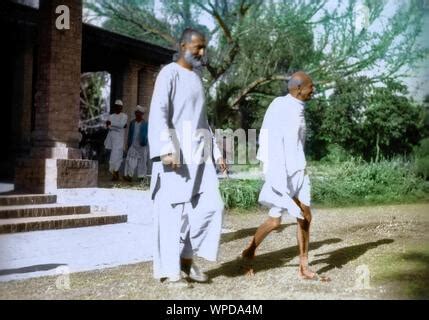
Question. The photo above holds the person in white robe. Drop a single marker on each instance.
(287, 186)
(188, 207)
(115, 140)
(137, 155)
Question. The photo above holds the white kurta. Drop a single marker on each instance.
(281, 150)
(178, 124)
(137, 155)
(115, 140)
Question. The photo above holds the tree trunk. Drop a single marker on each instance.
(377, 145)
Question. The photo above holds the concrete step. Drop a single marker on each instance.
(28, 211)
(24, 199)
(59, 222)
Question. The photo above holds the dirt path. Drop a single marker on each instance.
(369, 252)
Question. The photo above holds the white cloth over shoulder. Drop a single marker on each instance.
(281, 149)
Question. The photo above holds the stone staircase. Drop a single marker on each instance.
(23, 213)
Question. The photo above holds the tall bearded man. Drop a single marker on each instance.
(188, 207)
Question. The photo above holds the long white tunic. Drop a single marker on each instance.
(115, 139)
(281, 150)
(178, 124)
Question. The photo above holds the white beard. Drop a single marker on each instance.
(195, 63)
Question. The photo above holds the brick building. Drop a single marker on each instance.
(40, 85)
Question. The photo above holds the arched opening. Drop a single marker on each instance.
(95, 92)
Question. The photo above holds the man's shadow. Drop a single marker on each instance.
(35, 268)
(249, 232)
(339, 258)
(265, 261)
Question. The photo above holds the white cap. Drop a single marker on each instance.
(119, 103)
(141, 109)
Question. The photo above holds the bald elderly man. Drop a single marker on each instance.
(287, 186)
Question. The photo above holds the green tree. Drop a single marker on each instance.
(392, 121)
(371, 121)
(255, 44)
(343, 121)
(91, 95)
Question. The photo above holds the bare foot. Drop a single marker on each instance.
(306, 274)
(247, 260)
(248, 271)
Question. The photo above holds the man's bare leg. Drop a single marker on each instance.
(264, 229)
(303, 238)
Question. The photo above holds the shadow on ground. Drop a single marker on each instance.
(265, 261)
(35, 268)
(249, 232)
(339, 258)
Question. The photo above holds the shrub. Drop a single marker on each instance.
(357, 182)
(421, 154)
(422, 167)
(336, 154)
(241, 194)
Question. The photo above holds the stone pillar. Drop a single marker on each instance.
(55, 159)
(147, 77)
(116, 85)
(130, 89)
(58, 83)
(22, 100)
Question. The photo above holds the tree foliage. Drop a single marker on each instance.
(346, 46)
(367, 120)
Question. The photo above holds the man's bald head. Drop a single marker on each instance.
(300, 86)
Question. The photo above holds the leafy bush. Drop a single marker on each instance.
(422, 167)
(336, 154)
(241, 194)
(354, 182)
(358, 182)
(421, 154)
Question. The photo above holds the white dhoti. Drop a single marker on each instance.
(116, 156)
(136, 161)
(299, 188)
(184, 230)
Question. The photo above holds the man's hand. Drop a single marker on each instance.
(222, 164)
(171, 160)
(108, 123)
